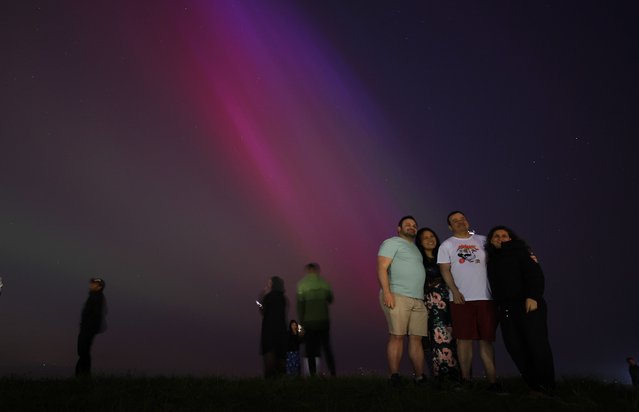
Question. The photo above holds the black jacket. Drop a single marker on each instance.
(513, 275)
(92, 320)
(274, 337)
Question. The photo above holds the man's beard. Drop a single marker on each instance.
(410, 235)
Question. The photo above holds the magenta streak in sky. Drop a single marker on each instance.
(275, 99)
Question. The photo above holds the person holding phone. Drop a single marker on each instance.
(273, 337)
(295, 337)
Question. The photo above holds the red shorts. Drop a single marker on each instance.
(474, 320)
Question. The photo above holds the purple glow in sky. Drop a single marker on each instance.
(187, 151)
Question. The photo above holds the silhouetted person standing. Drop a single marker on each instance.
(314, 294)
(274, 337)
(91, 323)
(633, 368)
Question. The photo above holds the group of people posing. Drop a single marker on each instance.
(280, 344)
(451, 294)
(443, 296)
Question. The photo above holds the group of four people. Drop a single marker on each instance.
(460, 290)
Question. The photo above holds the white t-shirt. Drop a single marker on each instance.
(467, 260)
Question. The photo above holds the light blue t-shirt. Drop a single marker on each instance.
(406, 274)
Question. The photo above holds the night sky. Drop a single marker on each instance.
(186, 151)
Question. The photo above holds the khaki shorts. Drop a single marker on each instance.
(408, 317)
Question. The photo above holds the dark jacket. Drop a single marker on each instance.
(294, 340)
(92, 320)
(274, 337)
(634, 374)
(512, 274)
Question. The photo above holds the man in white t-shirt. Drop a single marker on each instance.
(462, 261)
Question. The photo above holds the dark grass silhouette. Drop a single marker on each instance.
(342, 394)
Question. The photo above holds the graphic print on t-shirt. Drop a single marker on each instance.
(466, 253)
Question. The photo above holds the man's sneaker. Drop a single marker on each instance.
(453, 385)
(466, 385)
(420, 380)
(496, 388)
(396, 381)
(457, 387)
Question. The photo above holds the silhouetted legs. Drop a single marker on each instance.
(317, 341)
(526, 340)
(83, 367)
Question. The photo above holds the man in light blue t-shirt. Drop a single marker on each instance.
(401, 275)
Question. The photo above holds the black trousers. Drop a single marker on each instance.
(526, 340)
(83, 367)
(317, 340)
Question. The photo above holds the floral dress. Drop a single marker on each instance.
(441, 352)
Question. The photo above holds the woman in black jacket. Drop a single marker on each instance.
(274, 337)
(517, 285)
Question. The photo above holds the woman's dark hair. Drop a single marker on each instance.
(277, 283)
(418, 243)
(490, 249)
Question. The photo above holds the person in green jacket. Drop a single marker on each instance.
(314, 294)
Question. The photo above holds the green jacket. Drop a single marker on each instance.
(314, 294)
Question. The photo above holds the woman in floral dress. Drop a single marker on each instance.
(440, 351)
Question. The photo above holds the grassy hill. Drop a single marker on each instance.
(348, 394)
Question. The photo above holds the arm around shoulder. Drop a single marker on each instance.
(533, 278)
